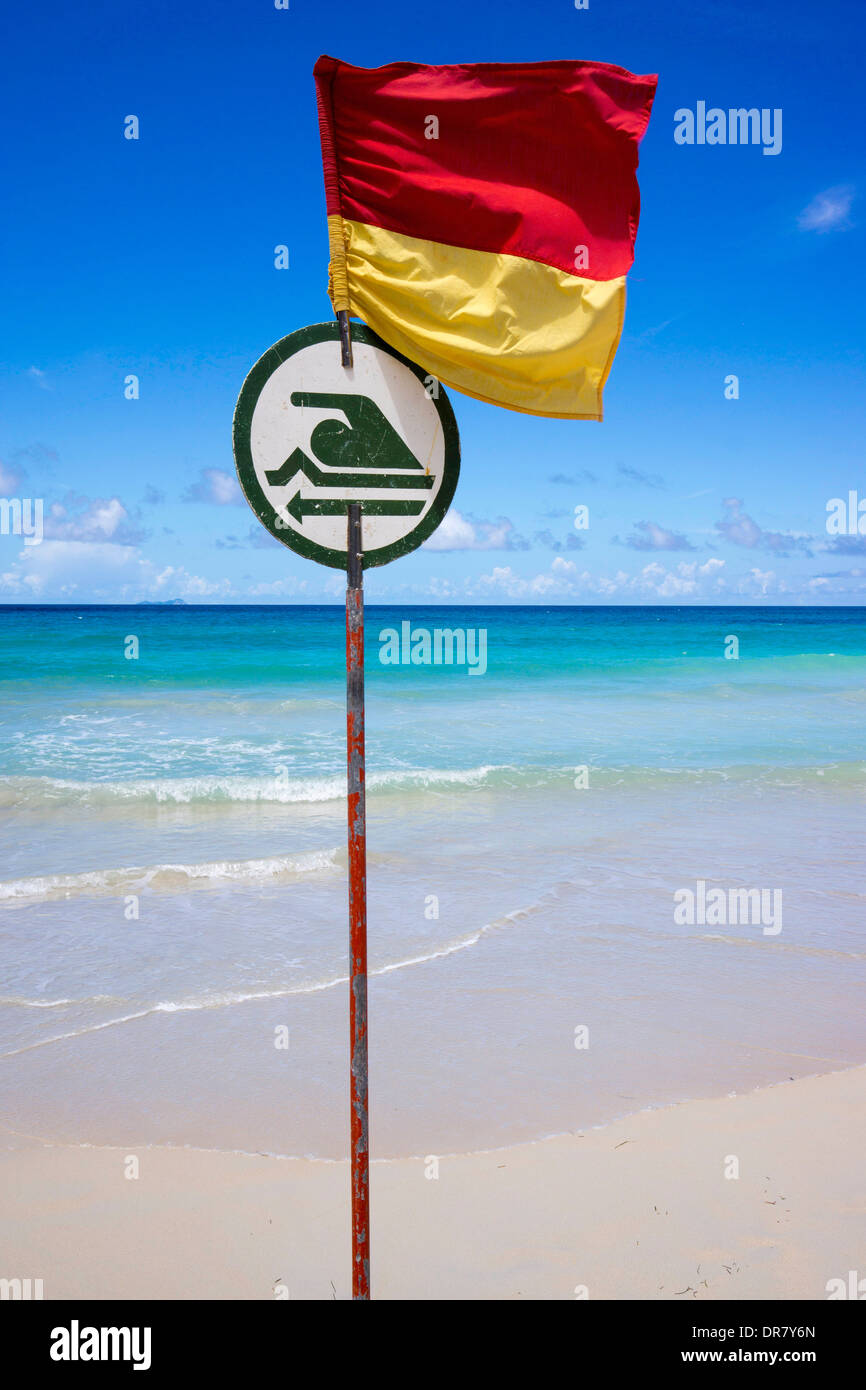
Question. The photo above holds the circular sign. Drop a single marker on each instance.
(311, 436)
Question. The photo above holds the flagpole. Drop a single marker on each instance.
(357, 847)
(359, 1118)
(359, 1129)
(345, 337)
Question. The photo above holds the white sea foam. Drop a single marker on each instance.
(166, 878)
(42, 792)
(226, 998)
(12, 1002)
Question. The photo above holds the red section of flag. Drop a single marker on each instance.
(531, 159)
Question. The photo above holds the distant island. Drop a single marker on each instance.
(161, 603)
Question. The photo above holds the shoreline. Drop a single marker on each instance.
(644, 1207)
(39, 1141)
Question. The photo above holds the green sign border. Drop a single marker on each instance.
(252, 490)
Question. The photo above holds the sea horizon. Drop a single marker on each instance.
(740, 603)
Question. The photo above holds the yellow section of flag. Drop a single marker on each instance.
(502, 328)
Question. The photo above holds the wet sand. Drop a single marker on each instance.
(640, 1209)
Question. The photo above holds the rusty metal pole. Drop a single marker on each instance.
(345, 338)
(359, 1128)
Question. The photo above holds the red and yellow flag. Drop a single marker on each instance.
(482, 219)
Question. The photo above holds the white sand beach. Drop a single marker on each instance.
(639, 1209)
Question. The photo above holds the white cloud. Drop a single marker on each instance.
(83, 520)
(503, 580)
(761, 582)
(453, 533)
(61, 569)
(216, 486)
(828, 211)
(457, 532)
(443, 589)
(66, 570)
(176, 582)
(647, 535)
(564, 580)
(740, 529)
(688, 580)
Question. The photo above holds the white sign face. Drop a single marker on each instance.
(311, 436)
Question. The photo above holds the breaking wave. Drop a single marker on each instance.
(167, 878)
(47, 793)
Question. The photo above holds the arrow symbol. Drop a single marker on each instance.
(297, 462)
(300, 507)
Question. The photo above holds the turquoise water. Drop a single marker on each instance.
(172, 879)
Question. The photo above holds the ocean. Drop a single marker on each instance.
(558, 849)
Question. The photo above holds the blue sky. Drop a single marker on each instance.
(155, 257)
